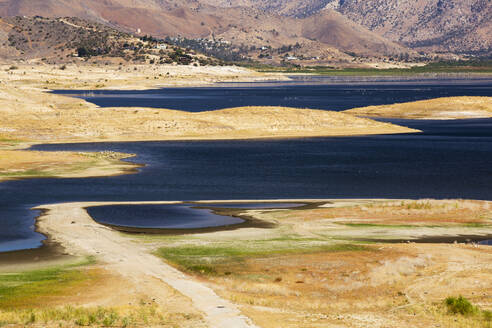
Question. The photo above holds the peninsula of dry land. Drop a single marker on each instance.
(448, 108)
(29, 114)
(321, 265)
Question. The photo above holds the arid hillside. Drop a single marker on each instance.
(68, 39)
(254, 33)
(375, 28)
(460, 26)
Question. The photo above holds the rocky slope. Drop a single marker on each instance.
(325, 36)
(461, 26)
(63, 40)
(371, 28)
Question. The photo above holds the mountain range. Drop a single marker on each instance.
(321, 30)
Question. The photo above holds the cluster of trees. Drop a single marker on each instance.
(218, 49)
(180, 57)
(288, 48)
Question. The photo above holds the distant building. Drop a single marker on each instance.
(161, 46)
(292, 58)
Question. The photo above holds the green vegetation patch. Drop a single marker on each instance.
(211, 259)
(9, 141)
(69, 316)
(462, 306)
(374, 225)
(35, 288)
(49, 172)
(470, 66)
(26, 173)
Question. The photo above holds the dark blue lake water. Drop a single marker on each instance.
(160, 216)
(332, 93)
(451, 159)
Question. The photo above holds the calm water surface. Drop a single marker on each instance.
(332, 93)
(160, 216)
(252, 205)
(451, 159)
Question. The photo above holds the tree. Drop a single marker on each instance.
(83, 52)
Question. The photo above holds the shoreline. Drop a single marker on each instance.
(82, 236)
(120, 166)
(103, 167)
(291, 79)
(144, 261)
(52, 249)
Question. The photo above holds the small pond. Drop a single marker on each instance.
(169, 216)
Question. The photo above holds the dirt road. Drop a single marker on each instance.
(73, 228)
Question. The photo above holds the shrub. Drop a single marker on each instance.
(460, 305)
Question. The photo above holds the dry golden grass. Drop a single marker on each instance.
(408, 212)
(439, 108)
(391, 286)
(93, 295)
(136, 77)
(66, 120)
(300, 274)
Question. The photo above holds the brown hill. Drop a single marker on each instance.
(67, 39)
(326, 37)
(451, 25)
(461, 26)
(332, 28)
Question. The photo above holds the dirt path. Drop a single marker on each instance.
(70, 225)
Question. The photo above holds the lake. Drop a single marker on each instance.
(331, 93)
(450, 159)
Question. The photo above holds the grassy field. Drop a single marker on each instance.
(36, 288)
(481, 67)
(56, 296)
(216, 258)
(310, 270)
